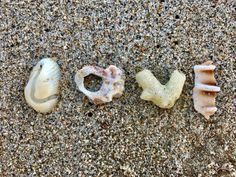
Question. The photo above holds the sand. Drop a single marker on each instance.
(129, 136)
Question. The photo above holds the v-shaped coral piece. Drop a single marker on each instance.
(163, 96)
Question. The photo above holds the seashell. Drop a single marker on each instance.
(112, 86)
(205, 89)
(163, 96)
(41, 91)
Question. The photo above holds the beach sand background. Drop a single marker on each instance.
(129, 136)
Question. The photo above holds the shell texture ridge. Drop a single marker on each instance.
(205, 89)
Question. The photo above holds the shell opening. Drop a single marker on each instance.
(92, 82)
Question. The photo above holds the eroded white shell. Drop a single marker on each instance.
(112, 86)
(163, 96)
(41, 91)
(205, 89)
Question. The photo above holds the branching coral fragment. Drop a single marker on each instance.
(163, 96)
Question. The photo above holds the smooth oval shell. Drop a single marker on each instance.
(41, 91)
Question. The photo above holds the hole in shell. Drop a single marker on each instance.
(92, 82)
